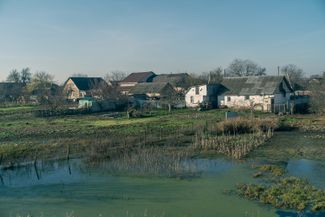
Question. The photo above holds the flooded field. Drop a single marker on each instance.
(75, 188)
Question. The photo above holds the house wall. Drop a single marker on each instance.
(127, 84)
(283, 98)
(259, 102)
(84, 103)
(192, 99)
(72, 90)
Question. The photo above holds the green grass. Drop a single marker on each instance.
(17, 109)
(81, 131)
(286, 193)
(28, 131)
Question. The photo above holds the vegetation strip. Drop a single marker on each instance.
(284, 192)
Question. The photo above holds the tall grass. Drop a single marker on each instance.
(155, 161)
(236, 137)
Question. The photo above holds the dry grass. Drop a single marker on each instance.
(155, 161)
(236, 137)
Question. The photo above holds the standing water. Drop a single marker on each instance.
(51, 190)
(61, 189)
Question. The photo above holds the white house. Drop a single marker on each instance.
(203, 94)
(265, 93)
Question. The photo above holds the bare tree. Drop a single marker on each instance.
(25, 76)
(294, 74)
(239, 67)
(47, 92)
(100, 89)
(20, 79)
(214, 76)
(14, 76)
(317, 88)
(115, 76)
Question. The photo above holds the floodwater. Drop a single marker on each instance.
(76, 189)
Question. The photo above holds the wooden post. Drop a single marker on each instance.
(160, 128)
(68, 152)
(68, 158)
(145, 136)
(36, 170)
(1, 179)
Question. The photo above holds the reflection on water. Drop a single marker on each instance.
(50, 190)
(56, 188)
(41, 173)
(77, 170)
(282, 213)
(76, 188)
(313, 171)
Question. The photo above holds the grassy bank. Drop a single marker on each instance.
(25, 137)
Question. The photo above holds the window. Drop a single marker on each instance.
(228, 98)
(246, 97)
(192, 99)
(197, 90)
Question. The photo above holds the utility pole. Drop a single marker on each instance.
(278, 70)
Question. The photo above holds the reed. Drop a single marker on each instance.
(235, 138)
(154, 161)
(235, 146)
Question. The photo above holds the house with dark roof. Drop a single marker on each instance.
(135, 78)
(80, 87)
(151, 90)
(180, 81)
(265, 93)
(10, 91)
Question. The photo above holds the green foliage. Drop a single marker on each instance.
(273, 169)
(286, 193)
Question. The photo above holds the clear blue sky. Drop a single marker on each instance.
(64, 37)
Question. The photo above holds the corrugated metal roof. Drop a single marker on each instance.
(139, 77)
(255, 85)
(150, 88)
(177, 80)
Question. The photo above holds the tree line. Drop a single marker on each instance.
(41, 84)
(28, 87)
(246, 67)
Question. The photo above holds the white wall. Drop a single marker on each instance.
(197, 98)
(127, 84)
(260, 102)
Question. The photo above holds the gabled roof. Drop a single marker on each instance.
(255, 85)
(88, 83)
(149, 88)
(177, 80)
(139, 77)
